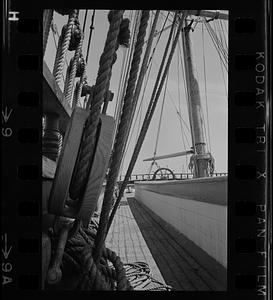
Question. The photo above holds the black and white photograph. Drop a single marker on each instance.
(135, 150)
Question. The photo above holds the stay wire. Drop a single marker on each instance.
(160, 117)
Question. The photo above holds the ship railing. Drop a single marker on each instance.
(177, 176)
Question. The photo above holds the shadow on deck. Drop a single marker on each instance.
(172, 252)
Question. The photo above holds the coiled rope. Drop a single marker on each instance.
(120, 136)
(141, 278)
(88, 142)
(80, 272)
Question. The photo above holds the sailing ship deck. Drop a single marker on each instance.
(137, 234)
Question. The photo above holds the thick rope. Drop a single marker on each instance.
(72, 73)
(120, 136)
(139, 112)
(88, 143)
(62, 48)
(147, 120)
(142, 73)
(123, 40)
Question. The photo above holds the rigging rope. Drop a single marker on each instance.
(124, 69)
(160, 117)
(221, 52)
(84, 21)
(88, 144)
(125, 73)
(72, 70)
(138, 113)
(123, 40)
(142, 73)
(128, 62)
(149, 114)
(148, 66)
(56, 46)
(140, 82)
(120, 137)
(90, 34)
(63, 46)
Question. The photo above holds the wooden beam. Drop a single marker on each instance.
(53, 100)
(169, 155)
(209, 14)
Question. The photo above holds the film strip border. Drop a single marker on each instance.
(21, 135)
(21, 146)
(247, 229)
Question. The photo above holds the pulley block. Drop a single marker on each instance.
(60, 202)
(87, 89)
(80, 67)
(75, 36)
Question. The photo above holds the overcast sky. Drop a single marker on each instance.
(170, 138)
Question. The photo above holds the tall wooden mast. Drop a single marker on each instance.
(201, 158)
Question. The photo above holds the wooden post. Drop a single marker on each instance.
(47, 19)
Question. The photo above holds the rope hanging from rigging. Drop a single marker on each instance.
(149, 114)
(148, 67)
(63, 45)
(120, 137)
(88, 142)
(75, 65)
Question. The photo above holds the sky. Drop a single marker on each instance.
(171, 138)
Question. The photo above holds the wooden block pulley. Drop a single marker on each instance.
(59, 196)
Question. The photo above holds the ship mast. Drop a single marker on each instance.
(200, 160)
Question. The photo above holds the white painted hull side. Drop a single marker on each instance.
(197, 208)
